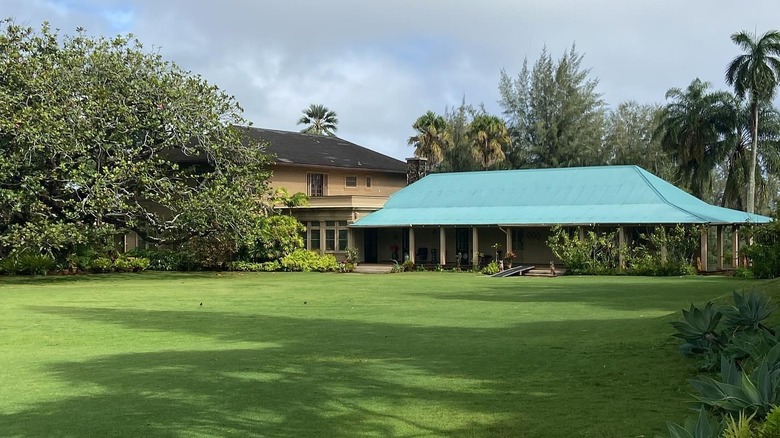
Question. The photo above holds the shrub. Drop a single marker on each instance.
(407, 266)
(271, 266)
(167, 260)
(28, 264)
(490, 269)
(278, 237)
(771, 427)
(700, 427)
(306, 261)
(102, 264)
(765, 250)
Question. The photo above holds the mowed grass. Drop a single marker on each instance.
(297, 355)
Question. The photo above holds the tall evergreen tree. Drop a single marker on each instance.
(755, 74)
(459, 157)
(628, 139)
(556, 117)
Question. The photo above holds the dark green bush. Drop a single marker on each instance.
(307, 261)
(28, 264)
(765, 250)
(167, 260)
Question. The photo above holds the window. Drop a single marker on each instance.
(318, 184)
(313, 231)
(336, 236)
(368, 181)
(351, 181)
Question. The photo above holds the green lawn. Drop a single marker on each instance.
(292, 355)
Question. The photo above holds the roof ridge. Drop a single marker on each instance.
(638, 169)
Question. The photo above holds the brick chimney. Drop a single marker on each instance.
(416, 169)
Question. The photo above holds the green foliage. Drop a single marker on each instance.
(27, 263)
(98, 136)
(555, 114)
(273, 265)
(489, 138)
(491, 268)
(599, 254)
(756, 393)
(277, 237)
(432, 138)
(167, 259)
(307, 261)
(739, 427)
(102, 264)
(698, 329)
(764, 252)
(700, 427)
(750, 312)
(595, 254)
(407, 266)
(319, 120)
(771, 426)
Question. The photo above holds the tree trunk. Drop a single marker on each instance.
(751, 197)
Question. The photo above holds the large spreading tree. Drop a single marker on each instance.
(99, 136)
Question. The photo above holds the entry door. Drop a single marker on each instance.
(370, 245)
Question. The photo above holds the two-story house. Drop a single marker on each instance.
(344, 182)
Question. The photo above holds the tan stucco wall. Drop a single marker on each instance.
(293, 178)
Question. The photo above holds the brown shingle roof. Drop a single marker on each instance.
(294, 148)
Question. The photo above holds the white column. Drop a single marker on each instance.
(621, 246)
(508, 241)
(442, 246)
(412, 249)
(734, 246)
(474, 246)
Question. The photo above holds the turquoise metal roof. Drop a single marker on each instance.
(568, 196)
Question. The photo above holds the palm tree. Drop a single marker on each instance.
(432, 137)
(489, 136)
(739, 139)
(755, 74)
(320, 120)
(691, 129)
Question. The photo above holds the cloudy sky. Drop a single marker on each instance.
(380, 65)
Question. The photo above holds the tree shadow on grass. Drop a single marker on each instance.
(43, 280)
(323, 377)
(632, 294)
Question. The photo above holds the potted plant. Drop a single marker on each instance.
(509, 257)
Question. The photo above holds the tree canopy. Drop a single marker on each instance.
(755, 74)
(319, 120)
(98, 136)
(554, 113)
(432, 138)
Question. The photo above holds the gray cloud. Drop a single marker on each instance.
(382, 64)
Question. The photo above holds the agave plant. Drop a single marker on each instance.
(755, 393)
(698, 327)
(749, 312)
(700, 427)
